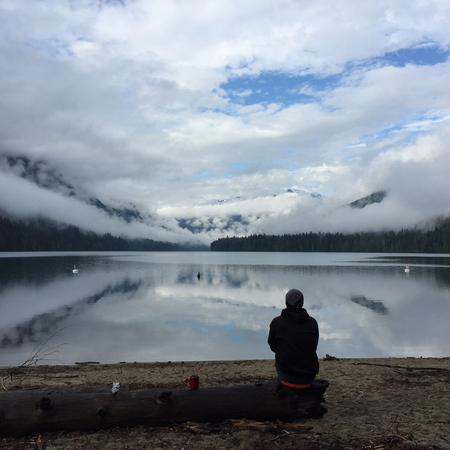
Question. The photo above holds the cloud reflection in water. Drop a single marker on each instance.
(152, 307)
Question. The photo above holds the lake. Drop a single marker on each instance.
(133, 306)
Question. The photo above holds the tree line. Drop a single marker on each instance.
(43, 235)
(404, 241)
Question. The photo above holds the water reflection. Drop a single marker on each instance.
(429, 259)
(374, 305)
(43, 325)
(152, 307)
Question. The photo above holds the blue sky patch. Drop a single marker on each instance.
(419, 56)
(277, 87)
(287, 89)
(421, 122)
(238, 166)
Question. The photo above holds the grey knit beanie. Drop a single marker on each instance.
(294, 298)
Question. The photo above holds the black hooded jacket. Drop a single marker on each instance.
(293, 337)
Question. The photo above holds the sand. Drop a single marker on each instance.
(399, 403)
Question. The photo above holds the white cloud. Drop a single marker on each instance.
(126, 100)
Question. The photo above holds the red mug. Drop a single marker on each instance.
(193, 382)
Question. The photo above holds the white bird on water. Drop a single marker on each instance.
(74, 270)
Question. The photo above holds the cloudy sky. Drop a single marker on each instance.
(206, 110)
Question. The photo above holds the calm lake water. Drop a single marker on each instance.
(151, 306)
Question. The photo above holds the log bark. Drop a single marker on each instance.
(94, 408)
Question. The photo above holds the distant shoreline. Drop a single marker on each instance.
(98, 365)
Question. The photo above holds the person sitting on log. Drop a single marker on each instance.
(293, 337)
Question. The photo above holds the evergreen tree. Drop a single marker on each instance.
(44, 235)
(404, 241)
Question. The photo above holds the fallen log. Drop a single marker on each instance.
(93, 408)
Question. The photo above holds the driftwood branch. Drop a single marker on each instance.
(43, 351)
(436, 369)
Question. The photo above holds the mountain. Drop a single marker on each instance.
(299, 191)
(207, 225)
(46, 177)
(52, 208)
(291, 210)
(231, 222)
(376, 197)
(37, 172)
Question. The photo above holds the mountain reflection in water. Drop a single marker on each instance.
(40, 326)
(152, 306)
(374, 305)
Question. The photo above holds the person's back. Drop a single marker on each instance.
(293, 337)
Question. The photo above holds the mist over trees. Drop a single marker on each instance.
(404, 241)
(43, 235)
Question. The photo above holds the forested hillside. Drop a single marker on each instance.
(405, 241)
(43, 235)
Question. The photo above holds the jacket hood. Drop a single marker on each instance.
(294, 298)
(296, 314)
